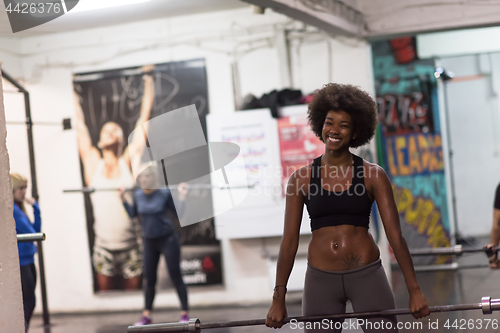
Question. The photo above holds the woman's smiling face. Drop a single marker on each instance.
(337, 130)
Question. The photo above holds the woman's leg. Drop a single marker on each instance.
(28, 283)
(369, 290)
(132, 268)
(151, 259)
(104, 263)
(323, 295)
(171, 249)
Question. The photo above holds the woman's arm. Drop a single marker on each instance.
(295, 198)
(382, 191)
(89, 154)
(495, 229)
(38, 220)
(494, 239)
(133, 152)
(37, 225)
(131, 209)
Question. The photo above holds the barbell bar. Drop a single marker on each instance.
(442, 267)
(92, 190)
(197, 186)
(487, 305)
(455, 250)
(33, 237)
(66, 123)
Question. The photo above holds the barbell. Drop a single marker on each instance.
(455, 250)
(66, 123)
(487, 305)
(197, 186)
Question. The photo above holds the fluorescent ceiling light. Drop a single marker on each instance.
(84, 5)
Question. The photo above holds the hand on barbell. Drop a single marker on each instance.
(418, 305)
(495, 265)
(492, 255)
(277, 312)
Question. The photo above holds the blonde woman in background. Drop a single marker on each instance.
(27, 250)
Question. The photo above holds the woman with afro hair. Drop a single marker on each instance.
(338, 189)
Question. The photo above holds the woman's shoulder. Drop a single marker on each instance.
(372, 167)
(19, 213)
(301, 176)
(164, 192)
(303, 172)
(373, 173)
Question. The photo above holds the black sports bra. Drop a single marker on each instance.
(330, 208)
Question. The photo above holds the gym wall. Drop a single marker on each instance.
(47, 67)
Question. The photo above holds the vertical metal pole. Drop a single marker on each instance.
(452, 176)
(41, 268)
(29, 129)
(448, 172)
(238, 100)
(34, 193)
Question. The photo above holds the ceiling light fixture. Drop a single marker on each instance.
(84, 5)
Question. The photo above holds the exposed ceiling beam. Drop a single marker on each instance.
(332, 16)
(385, 18)
(381, 19)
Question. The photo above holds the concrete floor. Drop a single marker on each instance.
(462, 286)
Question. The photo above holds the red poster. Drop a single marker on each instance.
(298, 145)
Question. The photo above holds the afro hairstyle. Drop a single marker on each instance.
(348, 98)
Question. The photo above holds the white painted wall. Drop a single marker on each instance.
(473, 111)
(474, 119)
(10, 54)
(221, 38)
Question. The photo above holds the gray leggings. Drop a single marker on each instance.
(367, 288)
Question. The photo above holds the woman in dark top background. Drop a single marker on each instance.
(159, 237)
(338, 189)
(495, 231)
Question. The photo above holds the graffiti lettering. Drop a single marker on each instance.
(424, 216)
(403, 114)
(414, 154)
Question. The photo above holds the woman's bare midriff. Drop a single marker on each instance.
(354, 248)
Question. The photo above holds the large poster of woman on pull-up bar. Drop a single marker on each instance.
(109, 105)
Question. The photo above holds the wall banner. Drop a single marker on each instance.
(109, 106)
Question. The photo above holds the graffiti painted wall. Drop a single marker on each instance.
(410, 148)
